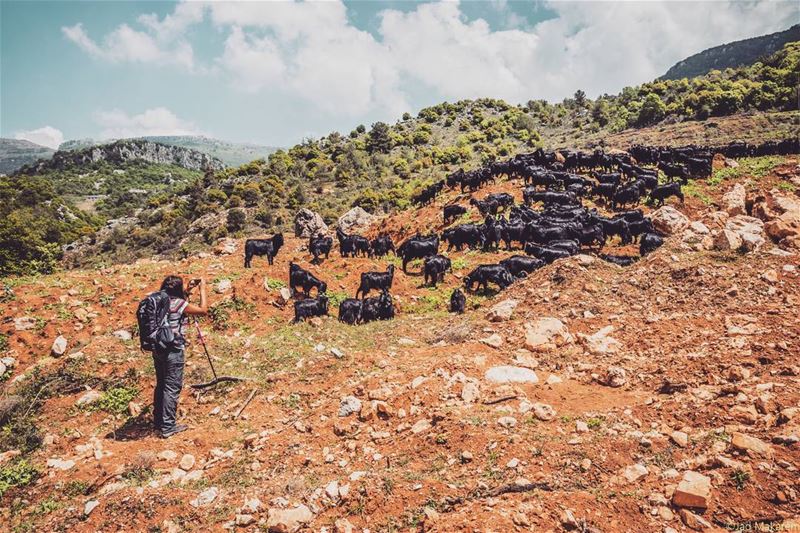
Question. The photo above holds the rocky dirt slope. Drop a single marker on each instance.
(658, 397)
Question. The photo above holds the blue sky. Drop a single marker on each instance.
(273, 73)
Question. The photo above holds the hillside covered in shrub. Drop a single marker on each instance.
(379, 167)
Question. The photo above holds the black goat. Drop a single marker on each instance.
(304, 279)
(310, 307)
(350, 311)
(352, 245)
(491, 230)
(592, 234)
(545, 253)
(640, 227)
(457, 302)
(378, 308)
(569, 245)
(451, 212)
(619, 260)
(605, 191)
(268, 247)
(611, 227)
(649, 243)
(483, 274)
(503, 199)
(320, 245)
(485, 207)
(418, 247)
(550, 197)
(630, 194)
(513, 231)
(662, 192)
(464, 234)
(376, 280)
(381, 246)
(521, 265)
(435, 268)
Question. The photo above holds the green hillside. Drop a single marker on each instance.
(380, 167)
(15, 153)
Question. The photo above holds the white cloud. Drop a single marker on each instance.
(311, 50)
(124, 44)
(118, 124)
(45, 136)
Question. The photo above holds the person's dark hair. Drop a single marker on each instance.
(173, 285)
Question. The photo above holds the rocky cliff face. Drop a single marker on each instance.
(129, 150)
(745, 52)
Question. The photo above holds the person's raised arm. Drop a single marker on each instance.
(201, 309)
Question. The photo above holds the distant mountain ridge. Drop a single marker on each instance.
(735, 54)
(15, 153)
(125, 151)
(231, 153)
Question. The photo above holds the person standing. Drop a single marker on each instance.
(169, 360)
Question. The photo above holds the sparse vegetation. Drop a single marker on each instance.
(115, 400)
(17, 474)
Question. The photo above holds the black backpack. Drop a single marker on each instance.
(153, 317)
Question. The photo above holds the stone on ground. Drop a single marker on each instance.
(511, 374)
(694, 490)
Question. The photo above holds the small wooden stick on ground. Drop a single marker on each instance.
(245, 404)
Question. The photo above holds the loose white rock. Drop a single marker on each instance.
(349, 405)
(59, 346)
(205, 497)
(511, 374)
(90, 506)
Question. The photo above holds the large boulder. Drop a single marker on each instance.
(781, 215)
(733, 201)
(502, 311)
(355, 220)
(511, 374)
(308, 223)
(727, 240)
(546, 333)
(288, 520)
(669, 220)
(225, 246)
(749, 229)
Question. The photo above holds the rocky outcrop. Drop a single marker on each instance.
(355, 220)
(781, 216)
(669, 220)
(749, 229)
(124, 151)
(308, 223)
(733, 200)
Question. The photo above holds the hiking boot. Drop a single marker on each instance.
(167, 433)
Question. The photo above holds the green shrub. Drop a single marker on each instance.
(17, 474)
(115, 400)
(236, 220)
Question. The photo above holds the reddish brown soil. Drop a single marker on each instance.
(671, 313)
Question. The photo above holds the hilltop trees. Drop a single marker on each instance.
(379, 139)
(653, 110)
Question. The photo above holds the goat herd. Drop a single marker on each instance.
(558, 229)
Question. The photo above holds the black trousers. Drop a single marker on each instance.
(169, 382)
